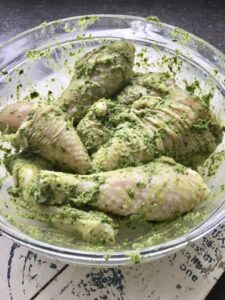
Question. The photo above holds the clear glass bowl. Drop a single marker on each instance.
(38, 63)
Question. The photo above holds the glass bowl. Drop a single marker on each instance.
(38, 64)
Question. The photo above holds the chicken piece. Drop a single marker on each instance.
(130, 146)
(157, 191)
(98, 125)
(177, 125)
(152, 84)
(24, 169)
(95, 129)
(93, 226)
(13, 115)
(99, 73)
(47, 132)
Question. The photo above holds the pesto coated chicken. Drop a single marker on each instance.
(47, 131)
(100, 122)
(176, 124)
(96, 128)
(151, 84)
(13, 115)
(121, 128)
(100, 73)
(93, 226)
(157, 191)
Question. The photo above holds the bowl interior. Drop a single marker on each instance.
(38, 64)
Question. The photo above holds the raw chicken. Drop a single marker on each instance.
(157, 191)
(100, 73)
(177, 125)
(92, 225)
(47, 132)
(13, 115)
(96, 128)
(99, 124)
(152, 84)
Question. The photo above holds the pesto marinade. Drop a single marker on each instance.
(115, 145)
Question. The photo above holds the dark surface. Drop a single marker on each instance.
(218, 291)
(204, 18)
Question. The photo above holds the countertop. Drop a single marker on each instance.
(204, 18)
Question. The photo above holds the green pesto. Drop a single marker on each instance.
(4, 73)
(211, 165)
(193, 86)
(34, 94)
(195, 89)
(173, 64)
(207, 97)
(180, 36)
(154, 19)
(135, 257)
(86, 21)
(157, 232)
(180, 169)
(69, 28)
(43, 24)
(131, 193)
(18, 88)
(107, 256)
(141, 185)
(37, 54)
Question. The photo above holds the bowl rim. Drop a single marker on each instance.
(46, 24)
(116, 258)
